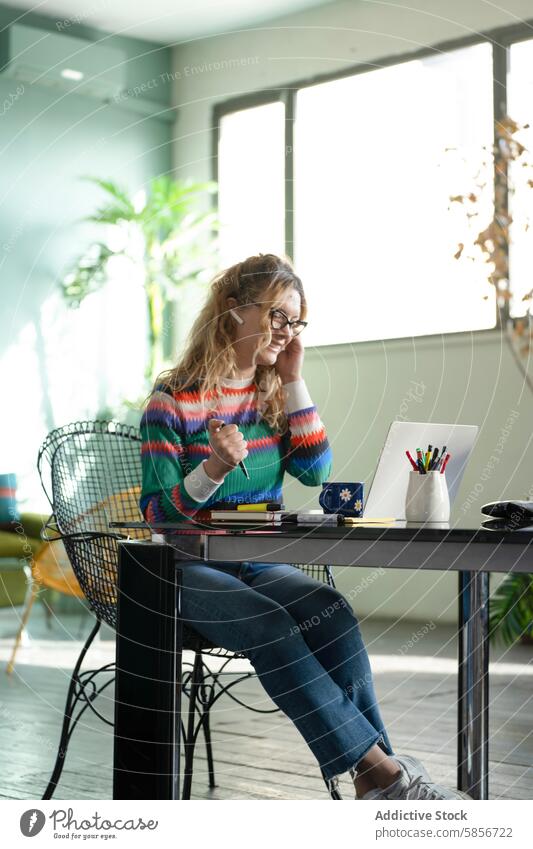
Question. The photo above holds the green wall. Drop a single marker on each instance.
(49, 139)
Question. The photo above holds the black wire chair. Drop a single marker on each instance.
(91, 474)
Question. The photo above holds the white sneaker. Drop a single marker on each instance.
(413, 767)
(414, 783)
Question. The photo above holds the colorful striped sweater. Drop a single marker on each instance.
(175, 445)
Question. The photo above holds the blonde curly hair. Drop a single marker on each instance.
(210, 356)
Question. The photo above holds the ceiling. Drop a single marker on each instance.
(165, 21)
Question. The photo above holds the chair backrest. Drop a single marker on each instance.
(91, 474)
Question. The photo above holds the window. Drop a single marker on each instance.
(372, 160)
(520, 108)
(251, 177)
(375, 233)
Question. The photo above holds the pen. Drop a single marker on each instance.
(241, 464)
(445, 463)
(421, 467)
(426, 460)
(433, 459)
(413, 464)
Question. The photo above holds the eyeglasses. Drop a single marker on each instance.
(278, 320)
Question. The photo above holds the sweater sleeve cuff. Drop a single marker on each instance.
(298, 397)
(199, 485)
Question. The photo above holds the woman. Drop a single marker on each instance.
(243, 368)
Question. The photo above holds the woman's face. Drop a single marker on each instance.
(249, 343)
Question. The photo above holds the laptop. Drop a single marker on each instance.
(387, 492)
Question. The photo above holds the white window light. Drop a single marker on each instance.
(71, 74)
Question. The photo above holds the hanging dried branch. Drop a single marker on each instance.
(494, 240)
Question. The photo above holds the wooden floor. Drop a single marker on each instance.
(258, 756)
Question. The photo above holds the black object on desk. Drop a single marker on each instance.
(513, 514)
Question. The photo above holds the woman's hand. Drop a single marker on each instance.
(228, 448)
(290, 361)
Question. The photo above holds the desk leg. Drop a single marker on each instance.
(473, 685)
(148, 679)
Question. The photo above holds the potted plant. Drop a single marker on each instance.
(168, 234)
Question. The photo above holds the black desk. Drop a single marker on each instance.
(147, 693)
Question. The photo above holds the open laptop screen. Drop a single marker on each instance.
(389, 485)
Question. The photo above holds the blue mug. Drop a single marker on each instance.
(345, 498)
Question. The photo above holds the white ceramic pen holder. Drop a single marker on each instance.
(427, 498)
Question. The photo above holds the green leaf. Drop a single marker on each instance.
(177, 224)
(88, 275)
(511, 608)
(122, 207)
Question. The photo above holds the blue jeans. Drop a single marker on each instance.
(303, 640)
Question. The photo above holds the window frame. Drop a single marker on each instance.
(261, 97)
(500, 38)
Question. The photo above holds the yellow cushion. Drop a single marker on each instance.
(52, 569)
(97, 518)
(112, 508)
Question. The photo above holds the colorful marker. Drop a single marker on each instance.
(444, 464)
(433, 459)
(413, 464)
